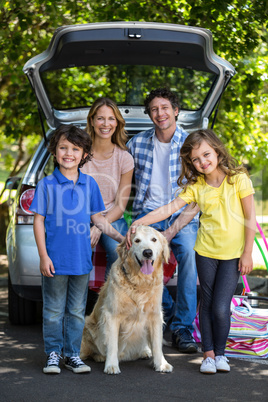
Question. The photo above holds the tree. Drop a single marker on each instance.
(238, 27)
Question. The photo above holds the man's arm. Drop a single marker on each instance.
(183, 219)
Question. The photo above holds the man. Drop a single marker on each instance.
(157, 168)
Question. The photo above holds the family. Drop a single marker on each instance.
(211, 237)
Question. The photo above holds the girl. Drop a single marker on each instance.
(64, 204)
(225, 238)
(112, 168)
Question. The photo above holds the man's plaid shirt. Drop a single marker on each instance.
(141, 148)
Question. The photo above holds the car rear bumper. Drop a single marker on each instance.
(23, 261)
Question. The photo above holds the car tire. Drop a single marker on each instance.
(21, 311)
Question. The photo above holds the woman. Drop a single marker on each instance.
(112, 168)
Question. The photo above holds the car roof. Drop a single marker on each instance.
(96, 45)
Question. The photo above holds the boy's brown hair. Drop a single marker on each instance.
(76, 136)
(162, 93)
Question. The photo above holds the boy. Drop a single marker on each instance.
(64, 204)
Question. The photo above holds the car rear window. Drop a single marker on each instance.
(127, 85)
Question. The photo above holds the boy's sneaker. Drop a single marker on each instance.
(208, 366)
(184, 341)
(52, 364)
(222, 363)
(76, 365)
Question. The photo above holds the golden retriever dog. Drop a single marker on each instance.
(126, 323)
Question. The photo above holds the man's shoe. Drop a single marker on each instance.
(52, 364)
(184, 341)
(76, 365)
(208, 366)
(222, 363)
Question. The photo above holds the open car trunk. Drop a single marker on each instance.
(124, 61)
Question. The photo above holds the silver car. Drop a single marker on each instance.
(121, 60)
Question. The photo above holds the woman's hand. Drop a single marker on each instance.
(131, 230)
(95, 234)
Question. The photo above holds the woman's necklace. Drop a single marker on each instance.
(103, 155)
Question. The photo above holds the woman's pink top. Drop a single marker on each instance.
(108, 172)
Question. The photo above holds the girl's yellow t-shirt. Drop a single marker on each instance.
(222, 233)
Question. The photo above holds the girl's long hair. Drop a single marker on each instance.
(119, 137)
(189, 175)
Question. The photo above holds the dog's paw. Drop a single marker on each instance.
(146, 353)
(112, 370)
(99, 358)
(166, 343)
(164, 368)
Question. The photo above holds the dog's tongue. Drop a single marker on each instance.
(147, 267)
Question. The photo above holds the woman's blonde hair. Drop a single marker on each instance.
(226, 162)
(119, 137)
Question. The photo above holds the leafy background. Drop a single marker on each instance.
(239, 30)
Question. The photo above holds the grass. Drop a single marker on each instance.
(6, 193)
(260, 267)
(264, 227)
(4, 196)
(260, 272)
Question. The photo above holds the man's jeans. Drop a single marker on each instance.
(110, 244)
(64, 303)
(181, 312)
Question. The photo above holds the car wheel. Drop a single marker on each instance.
(21, 311)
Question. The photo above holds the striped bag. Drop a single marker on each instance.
(248, 336)
(236, 301)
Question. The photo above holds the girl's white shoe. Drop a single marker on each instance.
(222, 363)
(208, 366)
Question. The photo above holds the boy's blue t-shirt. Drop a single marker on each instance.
(67, 209)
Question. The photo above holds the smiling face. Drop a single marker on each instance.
(68, 155)
(104, 122)
(163, 115)
(204, 158)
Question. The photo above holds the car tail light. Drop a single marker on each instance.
(26, 199)
(23, 215)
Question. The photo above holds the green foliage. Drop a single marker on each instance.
(126, 84)
(239, 28)
(265, 231)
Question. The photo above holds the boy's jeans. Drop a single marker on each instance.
(64, 303)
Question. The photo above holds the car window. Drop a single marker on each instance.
(49, 167)
(126, 84)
